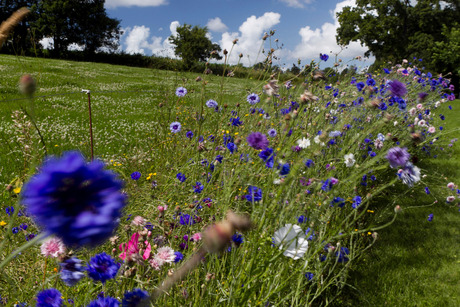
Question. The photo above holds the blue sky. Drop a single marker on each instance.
(304, 28)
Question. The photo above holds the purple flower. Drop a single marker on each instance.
(49, 298)
(430, 217)
(71, 271)
(231, 147)
(309, 276)
(237, 239)
(179, 256)
(186, 219)
(356, 202)
(189, 134)
(360, 86)
(135, 176)
(253, 98)
(198, 187)
(272, 133)
(104, 302)
(211, 104)
(397, 88)
(102, 267)
(135, 298)
(257, 140)
(181, 92)
(397, 156)
(422, 95)
(323, 57)
(236, 121)
(77, 201)
(342, 254)
(175, 127)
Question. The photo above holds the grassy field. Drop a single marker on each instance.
(412, 263)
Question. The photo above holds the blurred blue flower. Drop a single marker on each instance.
(71, 271)
(102, 267)
(49, 298)
(135, 298)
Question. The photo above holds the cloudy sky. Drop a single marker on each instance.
(304, 28)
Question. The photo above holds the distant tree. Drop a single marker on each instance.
(397, 29)
(192, 45)
(294, 69)
(81, 22)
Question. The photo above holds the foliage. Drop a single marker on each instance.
(192, 45)
(395, 29)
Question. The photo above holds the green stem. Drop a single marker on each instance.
(23, 248)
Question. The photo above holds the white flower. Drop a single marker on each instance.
(317, 141)
(277, 181)
(303, 143)
(349, 160)
(291, 236)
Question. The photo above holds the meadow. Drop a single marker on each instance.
(330, 175)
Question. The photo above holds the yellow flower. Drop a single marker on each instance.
(2, 223)
(17, 190)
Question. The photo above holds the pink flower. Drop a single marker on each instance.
(432, 129)
(139, 221)
(165, 254)
(419, 106)
(154, 263)
(451, 185)
(196, 237)
(161, 208)
(132, 247)
(52, 247)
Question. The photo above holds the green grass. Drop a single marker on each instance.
(132, 109)
(416, 262)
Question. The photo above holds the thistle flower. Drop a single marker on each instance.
(397, 156)
(165, 255)
(79, 202)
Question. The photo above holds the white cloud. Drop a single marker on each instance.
(322, 40)
(297, 3)
(216, 25)
(117, 3)
(249, 38)
(138, 40)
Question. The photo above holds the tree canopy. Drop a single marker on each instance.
(81, 22)
(192, 45)
(396, 29)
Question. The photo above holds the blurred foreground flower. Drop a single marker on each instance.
(292, 237)
(77, 201)
(49, 297)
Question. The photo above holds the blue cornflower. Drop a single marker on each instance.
(237, 239)
(23, 226)
(79, 202)
(272, 133)
(102, 267)
(9, 210)
(360, 86)
(181, 91)
(370, 82)
(427, 191)
(175, 127)
(104, 302)
(71, 271)
(327, 185)
(356, 201)
(309, 163)
(181, 177)
(179, 256)
(323, 57)
(342, 254)
(302, 219)
(386, 70)
(219, 158)
(198, 187)
(285, 169)
(334, 134)
(49, 298)
(135, 298)
(189, 134)
(255, 194)
(211, 104)
(442, 117)
(186, 219)
(266, 153)
(309, 276)
(253, 98)
(236, 121)
(231, 147)
(15, 230)
(430, 217)
(135, 176)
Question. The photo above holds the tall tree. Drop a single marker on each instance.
(192, 45)
(81, 22)
(397, 29)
